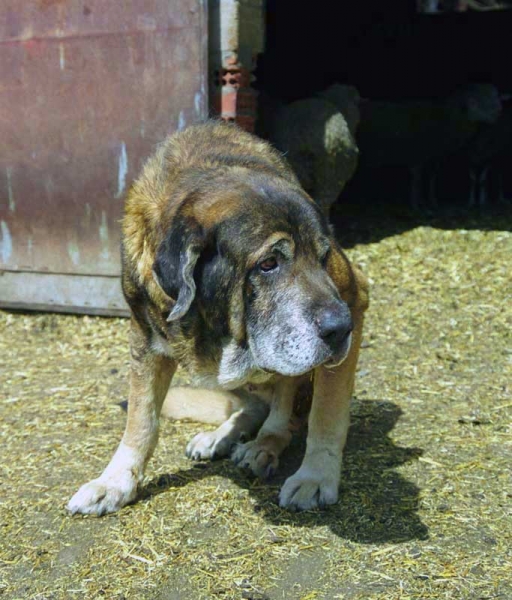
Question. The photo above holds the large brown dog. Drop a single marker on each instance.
(230, 269)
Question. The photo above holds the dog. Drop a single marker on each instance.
(231, 271)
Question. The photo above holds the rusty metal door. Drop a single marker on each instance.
(87, 89)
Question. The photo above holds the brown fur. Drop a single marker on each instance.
(216, 190)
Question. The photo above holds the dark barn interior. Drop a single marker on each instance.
(394, 53)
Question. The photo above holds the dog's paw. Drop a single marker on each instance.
(209, 445)
(257, 456)
(102, 496)
(308, 489)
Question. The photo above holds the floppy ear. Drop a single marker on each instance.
(351, 283)
(175, 261)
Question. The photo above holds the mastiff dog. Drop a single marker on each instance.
(231, 271)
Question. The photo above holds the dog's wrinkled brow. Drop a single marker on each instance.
(279, 240)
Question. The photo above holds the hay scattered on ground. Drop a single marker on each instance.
(426, 498)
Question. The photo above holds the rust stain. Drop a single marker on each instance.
(45, 4)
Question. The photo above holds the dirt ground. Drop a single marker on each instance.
(426, 497)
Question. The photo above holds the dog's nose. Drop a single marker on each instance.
(334, 325)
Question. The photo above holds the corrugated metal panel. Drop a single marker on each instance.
(87, 89)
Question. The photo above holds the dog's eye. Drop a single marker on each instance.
(269, 264)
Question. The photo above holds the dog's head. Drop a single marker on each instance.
(256, 264)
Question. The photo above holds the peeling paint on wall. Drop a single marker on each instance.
(103, 231)
(5, 242)
(181, 121)
(62, 187)
(74, 253)
(12, 204)
(122, 170)
(198, 103)
(62, 57)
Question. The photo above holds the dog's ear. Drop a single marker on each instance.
(350, 282)
(175, 261)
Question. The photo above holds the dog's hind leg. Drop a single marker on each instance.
(245, 413)
(185, 403)
(151, 374)
(261, 455)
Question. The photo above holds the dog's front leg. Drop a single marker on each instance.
(261, 455)
(151, 375)
(316, 482)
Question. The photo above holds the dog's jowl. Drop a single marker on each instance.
(231, 271)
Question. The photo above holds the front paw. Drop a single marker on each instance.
(256, 456)
(102, 496)
(209, 445)
(309, 489)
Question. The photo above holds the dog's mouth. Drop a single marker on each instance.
(338, 357)
(327, 353)
(268, 371)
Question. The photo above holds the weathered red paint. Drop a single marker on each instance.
(87, 89)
